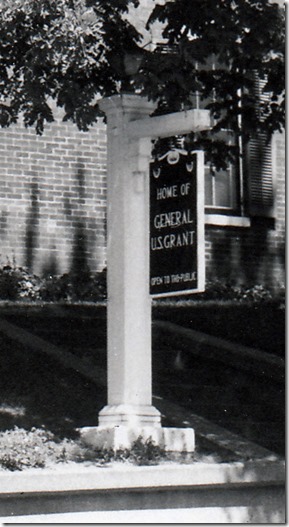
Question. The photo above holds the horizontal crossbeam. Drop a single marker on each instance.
(177, 123)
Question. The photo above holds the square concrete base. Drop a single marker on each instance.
(122, 437)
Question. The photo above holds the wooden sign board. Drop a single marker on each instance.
(177, 263)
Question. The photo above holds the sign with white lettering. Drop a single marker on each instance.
(174, 228)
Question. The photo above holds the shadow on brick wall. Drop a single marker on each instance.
(80, 249)
(79, 257)
(256, 254)
(32, 224)
(81, 228)
(3, 222)
(50, 268)
(247, 257)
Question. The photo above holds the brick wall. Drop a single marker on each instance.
(53, 197)
(53, 210)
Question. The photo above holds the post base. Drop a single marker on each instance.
(129, 415)
(122, 437)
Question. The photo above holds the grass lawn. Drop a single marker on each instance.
(37, 391)
(42, 406)
(260, 325)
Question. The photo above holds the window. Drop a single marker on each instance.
(223, 194)
(222, 187)
(245, 188)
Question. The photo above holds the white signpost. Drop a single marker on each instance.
(129, 412)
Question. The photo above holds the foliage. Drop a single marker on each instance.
(16, 283)
(70, 52)
(20, 448)
(217, 290)
(245, 40)
(60, 51)
(142, 452)
(39, 448)
(75, 287)
(220, 291)
(8, 283)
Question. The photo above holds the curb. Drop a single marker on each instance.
(221, 493)
(149, 477)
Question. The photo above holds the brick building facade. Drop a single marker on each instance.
(53, 208)
(255, 253)
(53, 198)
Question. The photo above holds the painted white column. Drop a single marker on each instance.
(129, 413)
(129, 304)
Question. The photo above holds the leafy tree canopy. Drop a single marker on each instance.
(73, 51)
(218, 49)
(60, 50)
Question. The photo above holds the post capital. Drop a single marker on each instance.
(127, 103)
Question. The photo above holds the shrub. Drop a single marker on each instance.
(146, 452)
(83, 286)
(141, 453)
(20, 448)
(8, 283)
(226, 291)
(55, 288)
(257, 293)
(17, 283)
(217, 290)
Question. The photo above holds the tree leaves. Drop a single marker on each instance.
(74, 51)
(59, 50)
(218, 49)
